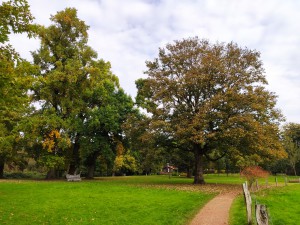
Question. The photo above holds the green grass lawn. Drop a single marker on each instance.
(103, 201)
(283, 205)
(133, 200)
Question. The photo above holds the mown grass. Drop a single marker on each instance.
(133, 200)
(224, 179)
(238, 212)
(283, 205)
(103, 201)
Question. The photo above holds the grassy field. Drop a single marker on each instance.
(126, 200)
(283, 205)
(135, 200)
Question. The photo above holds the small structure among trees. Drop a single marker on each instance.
(168, 169)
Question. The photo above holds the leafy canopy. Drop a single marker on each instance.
(211, 99)
(15, 77)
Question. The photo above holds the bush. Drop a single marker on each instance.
(251, 173)
(24, 175)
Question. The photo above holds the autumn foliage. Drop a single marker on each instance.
(211, 98)
(251, 173)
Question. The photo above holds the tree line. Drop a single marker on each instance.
(67, 112)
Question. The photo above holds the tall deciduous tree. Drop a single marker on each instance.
(66, 68)
(211, 98)
(102, 128)
(79, 90)
(291, 142)
(15, 17)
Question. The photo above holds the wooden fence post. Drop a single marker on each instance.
(257, 187)
(276, 181)
(248, 202)
(261, 215)
(285, 181)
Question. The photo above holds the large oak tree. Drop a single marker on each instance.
(211, 99)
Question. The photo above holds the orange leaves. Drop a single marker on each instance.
(253, 172)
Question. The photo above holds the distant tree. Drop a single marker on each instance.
(102, 129)
(211, 98)
(124, 163)
(15, 77)
(136, 129)
(291, 142)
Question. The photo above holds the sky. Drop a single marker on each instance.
(129, 32)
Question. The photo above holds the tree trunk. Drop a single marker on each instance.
(51, 174)
(75, 160)
(90, 172)
(189, 172)
(91, 164)
(1, 169)
(198, 178)
(294, 168)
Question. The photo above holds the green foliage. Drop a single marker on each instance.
(15, 17)
(143, 144)
(52, 161)
(291, 142)
(15, 78)
(79, 91)
(24, 175)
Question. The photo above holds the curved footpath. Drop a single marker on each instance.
(216, 211)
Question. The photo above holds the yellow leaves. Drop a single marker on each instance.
(49, 142)
(67, 19)
(124, 160)
(119, 161)
(120, 149)
(53, 141)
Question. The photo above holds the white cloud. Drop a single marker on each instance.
(129, 32)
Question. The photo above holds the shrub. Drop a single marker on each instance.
(24, 175)
(251, 173)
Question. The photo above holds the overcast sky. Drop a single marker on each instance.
(129, 32)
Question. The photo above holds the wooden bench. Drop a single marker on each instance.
(75, 177)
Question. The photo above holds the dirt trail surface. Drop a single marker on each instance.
(216, 211)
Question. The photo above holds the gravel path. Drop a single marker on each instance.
(216, 211)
